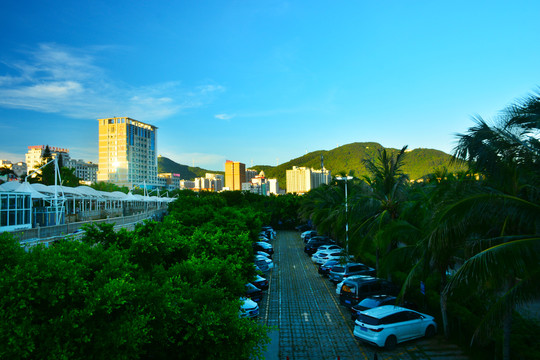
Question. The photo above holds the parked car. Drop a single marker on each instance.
(353, 277)
(253, 292)
(331, 247)
(353, 291)
(388, 325)
(262, 253)
(306, 235)
(248, 308)
(320, 257)
(313, 244)
(269, 232)
(372, 302)
(379, 300)
(269, 262)
(338, 273)
(262, 246)
(325, 268)
(260, 282)
(262, 265)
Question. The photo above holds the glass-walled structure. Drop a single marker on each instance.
(15, 211)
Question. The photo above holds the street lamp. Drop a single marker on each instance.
(346, 213)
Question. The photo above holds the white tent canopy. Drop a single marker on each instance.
(34, 194)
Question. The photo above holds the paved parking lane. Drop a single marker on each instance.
(310, 324)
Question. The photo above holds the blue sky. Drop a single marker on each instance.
(260, 82)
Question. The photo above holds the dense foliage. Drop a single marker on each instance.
(164, 291)
(471, 237)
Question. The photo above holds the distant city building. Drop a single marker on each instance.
(85, 171)
(19, 168)
(235, 174)
(258, 184)
(203, 184)
(300, 180)
(169, 180)
(187, 184)
(250, 174)
(217, 179)
(34, 156)
(127, 152)
(273, 187)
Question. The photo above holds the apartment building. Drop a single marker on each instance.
(300, 180)
(127, 152)
(235, 174)
(170, 181)
(85, 171)
(217, 179)
(34, 156)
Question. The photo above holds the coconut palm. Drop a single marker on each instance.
(501, 224)
(372, 209)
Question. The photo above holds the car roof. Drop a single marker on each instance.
(385, 310)
(362, 278)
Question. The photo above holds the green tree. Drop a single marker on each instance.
(379, 206)
(68, 177)
(501, 224)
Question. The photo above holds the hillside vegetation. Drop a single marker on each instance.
(166, 165)
(347, 158)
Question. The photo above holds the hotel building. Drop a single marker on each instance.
(127, 152)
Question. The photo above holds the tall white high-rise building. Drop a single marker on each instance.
(127, 152)
(300, 180)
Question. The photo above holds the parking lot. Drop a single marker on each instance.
(309, 323)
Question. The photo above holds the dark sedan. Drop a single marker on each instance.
(325, 268)
(260, 282)
(253, 292)
(314, 243)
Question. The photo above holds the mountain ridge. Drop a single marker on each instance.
(346, 158)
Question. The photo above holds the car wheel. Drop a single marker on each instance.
(430, 331)
(390, 343)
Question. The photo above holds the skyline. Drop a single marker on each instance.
(260, 83)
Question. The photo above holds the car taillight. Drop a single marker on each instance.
(345, 276)
(377, 330)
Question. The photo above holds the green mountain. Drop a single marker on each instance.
(166, 165)
(349, 159)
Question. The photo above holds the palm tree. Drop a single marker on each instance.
(373, 209)
(501, 223)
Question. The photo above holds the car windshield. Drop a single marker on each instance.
(368, 319)
(338, 269)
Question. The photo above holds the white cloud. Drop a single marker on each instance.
(224, 116)
(56, 79)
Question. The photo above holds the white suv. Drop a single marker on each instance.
(387, 325)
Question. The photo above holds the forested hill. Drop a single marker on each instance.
(166, 165)
(349, 158)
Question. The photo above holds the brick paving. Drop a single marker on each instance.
(303, 308)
